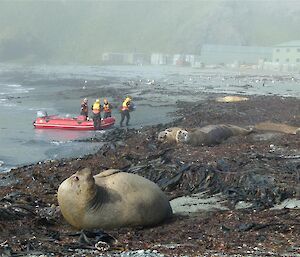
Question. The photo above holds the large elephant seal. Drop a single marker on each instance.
(111, 199)
(211, 134)
(277, 127)
(169, 135)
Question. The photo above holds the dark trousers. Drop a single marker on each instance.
(83, 113)
(97, 120)
(123, 115)
(107, 114)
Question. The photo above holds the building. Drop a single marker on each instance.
(229, 54)
(139, 59)
(113, 58)
(185, 59)
(285, 57)
(160, 59)
(287, 53)
(125, 58)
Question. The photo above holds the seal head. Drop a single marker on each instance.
(75, 194)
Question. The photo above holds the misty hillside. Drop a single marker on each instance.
(62, 31)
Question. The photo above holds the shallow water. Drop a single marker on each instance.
(59, 89)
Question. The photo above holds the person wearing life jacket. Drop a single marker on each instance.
(96, 109)
(125, 109)
(106, 108)
(84, 111)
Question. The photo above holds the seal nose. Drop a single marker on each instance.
(76, 178)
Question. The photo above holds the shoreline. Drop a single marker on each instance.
(65, 88)
(242, 168)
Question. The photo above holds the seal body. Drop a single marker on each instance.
(277, 127)
(211, 134)
(111, 199)
(169, 135)
(231, 99)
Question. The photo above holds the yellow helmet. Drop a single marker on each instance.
(98, 100)
(128, 99)
(105, 100)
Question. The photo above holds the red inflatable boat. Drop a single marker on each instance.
(77, 123)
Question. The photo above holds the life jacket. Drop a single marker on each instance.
(106, 107)
(125, 105)
(96, 107)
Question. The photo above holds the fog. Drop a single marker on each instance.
(67, 31)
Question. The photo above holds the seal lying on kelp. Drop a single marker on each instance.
(169, 135)
(210, 135)
(111, 199)
(231, 99)
(277, 127)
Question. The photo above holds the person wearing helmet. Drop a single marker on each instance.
(96, 108)
(84, 111)
(125, 109)
(106, 108)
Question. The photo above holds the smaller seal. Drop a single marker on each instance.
(277, 127)
(169, 135)
(211, 134)
(231, 99)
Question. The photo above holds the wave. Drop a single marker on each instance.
(8, 89)
(23, 90)
(57, 143)
(38, 108)
(15, 85)
(8, 104)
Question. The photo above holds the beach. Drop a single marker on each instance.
(237, 198)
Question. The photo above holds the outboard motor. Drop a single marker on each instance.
(41, 114)
(132, 107)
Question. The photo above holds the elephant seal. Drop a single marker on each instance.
(277, 127)
(211, 134)
(111, 199)
(231, 99)
(169, 135)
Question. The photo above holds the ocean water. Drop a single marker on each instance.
(59, 89)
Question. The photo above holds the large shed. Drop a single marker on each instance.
(287, 53)
(228, 54)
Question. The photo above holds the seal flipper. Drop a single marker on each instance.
(107, 173)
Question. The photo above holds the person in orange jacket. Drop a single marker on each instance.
(125, 109)
(106, 108)
(96, 108)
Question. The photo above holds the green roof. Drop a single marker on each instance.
(295, 43)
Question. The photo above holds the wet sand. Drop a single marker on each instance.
(255, 172)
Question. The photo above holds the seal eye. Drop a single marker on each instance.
(76, 178)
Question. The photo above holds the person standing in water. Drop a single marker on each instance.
(84, 111)
(106, 108)
(125, 111)
(96, 108)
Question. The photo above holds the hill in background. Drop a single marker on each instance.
(80, 31)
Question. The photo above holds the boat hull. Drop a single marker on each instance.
(78, 123)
